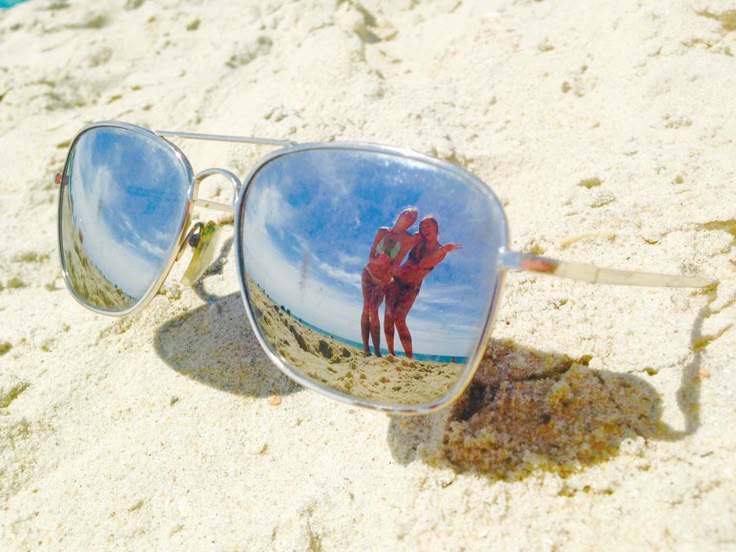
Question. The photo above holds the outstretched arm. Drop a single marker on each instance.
(515, 260)
(436, 257)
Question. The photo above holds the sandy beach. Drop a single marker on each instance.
(600, 414)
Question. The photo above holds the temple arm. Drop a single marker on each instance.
(224, 138)
(515, 260)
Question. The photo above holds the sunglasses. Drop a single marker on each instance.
(369, 273)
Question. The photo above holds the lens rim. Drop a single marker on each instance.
(176, 244)
(474, 359)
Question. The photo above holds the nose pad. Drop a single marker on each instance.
(204, 239)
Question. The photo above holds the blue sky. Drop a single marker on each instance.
(309, 223)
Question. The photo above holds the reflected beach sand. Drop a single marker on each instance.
(344, 368)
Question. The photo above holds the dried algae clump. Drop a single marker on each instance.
(12, 433)
(590, 182)
(726, 18)
(12, 394)
(32, 257)
(701, 342)
(728, 226)
(15, 283)
(5, 346)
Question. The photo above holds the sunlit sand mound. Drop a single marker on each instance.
(527, 409)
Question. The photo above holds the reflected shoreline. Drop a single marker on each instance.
(384, 351)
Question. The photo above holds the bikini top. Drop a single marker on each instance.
(388, 246)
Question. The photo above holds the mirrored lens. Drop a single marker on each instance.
(371, 273)
(123, 202)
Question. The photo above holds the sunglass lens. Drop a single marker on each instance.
(123, 201)
(371, 273)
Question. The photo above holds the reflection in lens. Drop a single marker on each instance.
(370, 273)
(123, 200)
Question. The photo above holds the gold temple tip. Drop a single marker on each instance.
(204, 252)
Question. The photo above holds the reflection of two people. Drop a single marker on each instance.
(389, 248)
(385, 277)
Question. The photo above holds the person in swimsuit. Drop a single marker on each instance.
(402, 290)
(389, 248)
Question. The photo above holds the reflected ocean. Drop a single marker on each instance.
(399, 353)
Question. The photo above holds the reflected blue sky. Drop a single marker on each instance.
(128, 195)
(309, 223)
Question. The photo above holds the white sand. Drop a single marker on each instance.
(157, 431)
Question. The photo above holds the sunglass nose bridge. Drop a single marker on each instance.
(209, 204)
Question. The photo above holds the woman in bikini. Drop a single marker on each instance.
(389, 248)
(402, 290)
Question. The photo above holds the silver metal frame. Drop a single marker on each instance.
(507, 260)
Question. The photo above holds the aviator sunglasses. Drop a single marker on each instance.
(369, 273)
